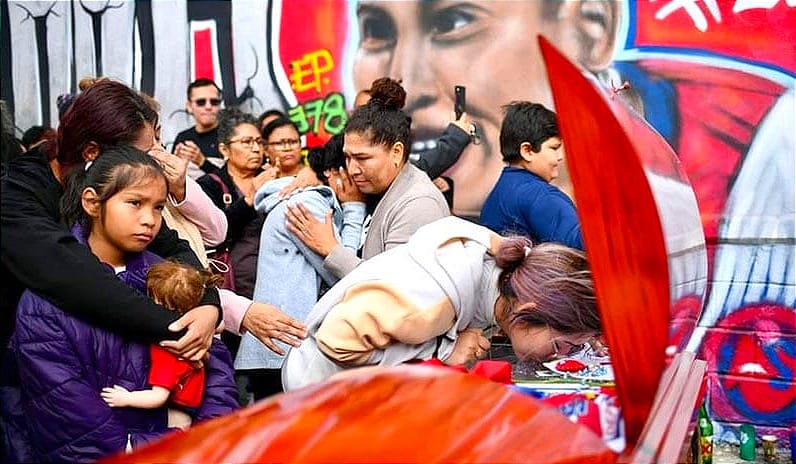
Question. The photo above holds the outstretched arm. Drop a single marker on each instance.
(449, 147)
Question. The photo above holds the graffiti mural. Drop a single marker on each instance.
(716, 78)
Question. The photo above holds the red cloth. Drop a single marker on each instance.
(496, 371)
(185, 382)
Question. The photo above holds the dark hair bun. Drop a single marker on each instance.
(87, 82)
(512, 252)
(389, 93)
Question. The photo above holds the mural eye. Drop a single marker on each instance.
(445, 23)
(377, 30)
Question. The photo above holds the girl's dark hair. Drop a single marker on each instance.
(276, 124)
(229, 119)
(315, 158)
(118, 168)
(548, 284)
(106, 113)
(382, 118)
(329, 156)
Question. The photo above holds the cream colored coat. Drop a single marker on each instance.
(407, 303)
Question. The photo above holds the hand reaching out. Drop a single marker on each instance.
(305, 178)
(201, 325)
(175, 169)
(251, 187)
(268, 323)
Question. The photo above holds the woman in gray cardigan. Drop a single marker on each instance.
(400, 198)
(289, 275)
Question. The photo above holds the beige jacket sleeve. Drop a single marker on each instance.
(374, 314)
(341, 261)
(411, 216)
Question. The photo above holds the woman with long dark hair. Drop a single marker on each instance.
(38, 252)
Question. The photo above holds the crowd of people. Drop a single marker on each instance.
(148, 290)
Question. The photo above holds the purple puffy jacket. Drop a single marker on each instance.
(63, 364)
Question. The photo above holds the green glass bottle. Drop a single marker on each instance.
(705, 436)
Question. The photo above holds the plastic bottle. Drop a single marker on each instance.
(705, 436)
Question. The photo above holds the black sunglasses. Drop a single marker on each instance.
(203, 101)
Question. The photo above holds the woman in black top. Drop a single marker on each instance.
(39, 252)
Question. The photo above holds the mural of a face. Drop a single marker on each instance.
(489, 47)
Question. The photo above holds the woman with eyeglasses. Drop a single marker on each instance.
(433, 297)
(232, 189)
(283, 146)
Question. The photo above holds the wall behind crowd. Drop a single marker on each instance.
(715, 78)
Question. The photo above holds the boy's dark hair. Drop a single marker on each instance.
(525, 122)
(202, 82)
(316, 160)
(229, 119)
(382, 119)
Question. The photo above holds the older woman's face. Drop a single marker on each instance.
(284, 145)
(489, 47)
(242, 154)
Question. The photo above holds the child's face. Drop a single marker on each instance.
(129, 220)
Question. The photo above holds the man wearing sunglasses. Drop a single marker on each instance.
(199, 143)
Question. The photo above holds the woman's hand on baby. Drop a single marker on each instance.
(471, 345)
(268, 323)
(200, 323)
(318, 236)
(115, 396)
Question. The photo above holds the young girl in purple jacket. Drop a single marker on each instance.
(115, 206)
